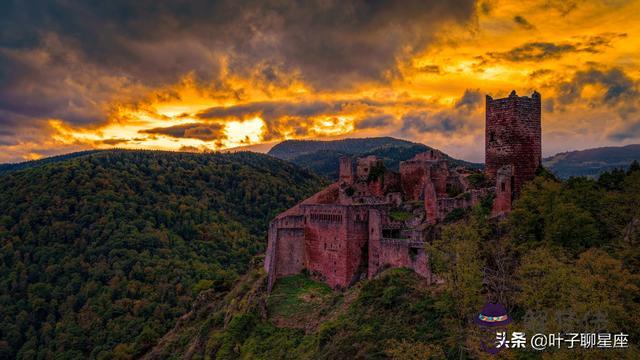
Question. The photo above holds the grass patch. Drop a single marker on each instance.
(400, 215)
(297, 295)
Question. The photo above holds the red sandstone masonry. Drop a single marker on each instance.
(513, 137)
(504, 191)
(344, 232)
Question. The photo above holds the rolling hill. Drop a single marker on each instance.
(322, 156)
(9, 167)
(100, 254)
(592, 162)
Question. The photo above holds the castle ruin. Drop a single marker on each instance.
(373, 218)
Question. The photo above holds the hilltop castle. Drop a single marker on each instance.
(373, 218)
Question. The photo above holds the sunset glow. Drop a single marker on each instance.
(423, 81)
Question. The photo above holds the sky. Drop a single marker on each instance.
(213, 75)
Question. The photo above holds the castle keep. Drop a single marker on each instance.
(513, 149)
(373, 218)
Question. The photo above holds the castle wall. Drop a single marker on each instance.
(270, 258)
(365, 164)
(375, 235)
(439, 172)
(290, 251)
(346, 169)
(469, 199)
(504, 191)
(412, 177)
(285, 247)
(357, 239)
(403, 253)
(513, 136)
(430, 203)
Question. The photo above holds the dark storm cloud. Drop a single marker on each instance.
(470, 99)
(540, 73)
(66, 59)
(461, 117)
(628, 132)
(114, 141)
(619, 86)
(272, 109)
(537, 51)
(430, 69)
(425, 121)
(160, 41)
(205, 132)
(43, 84)
(521, 21)
(374, 121)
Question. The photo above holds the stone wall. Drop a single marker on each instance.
(325, 240)
(285, 249)
(504, 191)
(413, 174)
(403, 253)
(375, 235)
(347, 171)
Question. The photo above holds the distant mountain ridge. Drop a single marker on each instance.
(290, 149)
(592, 162)
(322, 156)
(9, 167)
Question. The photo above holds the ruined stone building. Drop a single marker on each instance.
(373, 218)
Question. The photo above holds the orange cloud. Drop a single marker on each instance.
(424, 81)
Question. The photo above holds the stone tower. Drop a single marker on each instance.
(346, 169)
(513, 137)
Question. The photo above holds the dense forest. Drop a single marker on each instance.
(565, 260)
(99, 255)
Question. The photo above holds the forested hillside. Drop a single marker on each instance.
(290, 149)
(100, 254)
(592, 162)
(566, 260)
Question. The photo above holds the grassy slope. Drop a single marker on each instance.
(303, 319)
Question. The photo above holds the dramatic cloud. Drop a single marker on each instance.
(424, 122)
(375, 121)
(460, 119)
(521, 21)
(536, 51)
(470, 99)
(617, 85)
(430, 69)
(206, 132)
(204, 75)
(630, 131)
